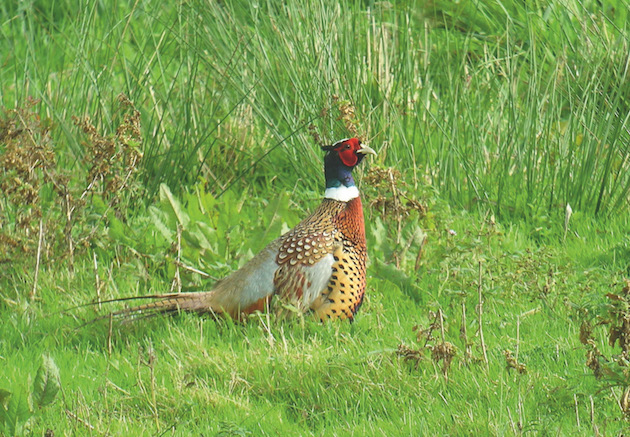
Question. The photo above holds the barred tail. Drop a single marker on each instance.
(162, 304)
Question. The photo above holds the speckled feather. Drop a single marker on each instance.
(344, 293)
(335, 228)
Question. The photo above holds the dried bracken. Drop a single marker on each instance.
(409, 354)
(593, 357)
(347, 115)
(339, 111)
(426, 334)
(391, 202)
(27, 164)
(392, 199)
(26, 159)
(512, 362)
(41, 201)
(620, 315)
(613, 368)
(112, 160)
(312, 130)
(444, 352)
(586, 332)
(441, 350)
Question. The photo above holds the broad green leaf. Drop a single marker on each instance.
(4, 397)
(167, 198)
(119, 231)
(210, 235)
(206, 200)
(13, 418)
(412, 234)
(47, 383)
(160, 220)
(396, 276)
(99, 205)
(272, 221)
(196, 237)
(379, 231)
(194, 208)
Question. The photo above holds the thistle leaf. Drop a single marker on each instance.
(47, 383)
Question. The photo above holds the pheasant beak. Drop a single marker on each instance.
(366, 150)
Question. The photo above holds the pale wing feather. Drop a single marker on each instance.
(247, 285)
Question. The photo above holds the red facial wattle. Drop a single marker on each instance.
(348, 157)
(347, 152)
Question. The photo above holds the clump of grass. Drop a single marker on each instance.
(518, 107)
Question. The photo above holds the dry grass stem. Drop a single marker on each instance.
(97, 280)
(39, 255)
(577, 411)
(420, 253)
(109, 334)
(76, 418)
(176, 284)
(480, 313)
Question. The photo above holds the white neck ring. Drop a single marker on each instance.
(342, 193)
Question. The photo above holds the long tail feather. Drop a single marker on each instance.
(162, 304)
(120, 299)
(172, 303)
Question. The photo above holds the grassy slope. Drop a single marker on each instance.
(302, 377)
(187, 68)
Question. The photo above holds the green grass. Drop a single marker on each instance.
(302, 377)
(494, 116)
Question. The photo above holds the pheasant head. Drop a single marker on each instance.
(339, 161)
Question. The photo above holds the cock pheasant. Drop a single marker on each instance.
(318, 266)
